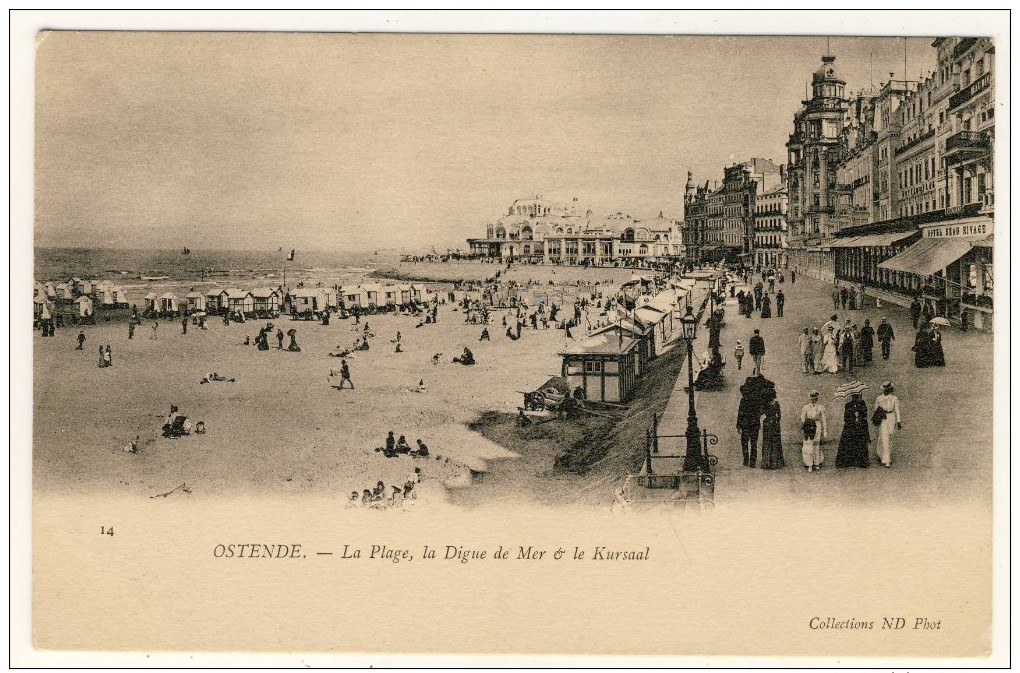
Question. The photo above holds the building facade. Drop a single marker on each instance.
(814, 151)
(541, 231)
(771, 228)
(719, 221)
(923, 153)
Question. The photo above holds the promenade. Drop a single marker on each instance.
(944, 451)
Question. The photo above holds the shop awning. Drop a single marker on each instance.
(928, 256)
(870, 240)
(848, 242)
(986, 242)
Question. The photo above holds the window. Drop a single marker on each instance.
(592, 366)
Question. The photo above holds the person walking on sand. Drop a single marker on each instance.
(345, 374)
(807, 355)
(738, 353)
(844, 295)
(813, 425)
(793, 276)
(887, 418)
(155, 326)
(780, 302)
(279, 339)
(815, 366)
(835, 296)
(756, 347)
(131, 329)
(81, 340)
(885, 337)
(766, 305)
(108, 356)
(184, 325)
(102, 358)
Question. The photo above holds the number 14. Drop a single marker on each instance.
(103, 530)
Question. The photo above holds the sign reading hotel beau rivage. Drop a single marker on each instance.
(975, 227)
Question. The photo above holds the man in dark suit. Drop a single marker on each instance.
(756, 347)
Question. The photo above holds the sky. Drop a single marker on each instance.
(349, 142)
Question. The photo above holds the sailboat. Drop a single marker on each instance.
(186, 251)
(290, 257)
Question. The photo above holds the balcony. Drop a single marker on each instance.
(916, 141)
(961, 48)
(971, 90)
(966, 144)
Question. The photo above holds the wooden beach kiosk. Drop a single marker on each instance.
(602, 366)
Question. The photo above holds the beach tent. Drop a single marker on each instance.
(374, 294)
(194, 301)
(265, 299)
(212, 300)
(236, 299)
(63, 291)
(39, 290)
(354, 296)
(168, 303)
(119, 296)
(38, 306)
(151, 302)
(51, 291)
(84, 305)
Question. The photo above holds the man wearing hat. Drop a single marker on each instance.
(885, 337)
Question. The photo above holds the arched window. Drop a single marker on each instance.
(500, 232)
(628, 235)
(526, 233)
(643, 250)
(527, 249)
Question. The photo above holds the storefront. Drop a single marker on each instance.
(952, 265)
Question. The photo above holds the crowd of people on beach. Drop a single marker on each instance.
(380, 497)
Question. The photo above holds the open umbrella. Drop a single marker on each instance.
(940, 321)
(291, 332)
(849, 388)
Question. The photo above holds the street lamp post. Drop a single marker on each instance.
(693, 460)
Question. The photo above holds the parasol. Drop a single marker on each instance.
(199, 314)
(291, 332)
(848, 389)
(941, 322)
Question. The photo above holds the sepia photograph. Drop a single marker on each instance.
(540, 342)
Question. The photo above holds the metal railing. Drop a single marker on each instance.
(971, 90)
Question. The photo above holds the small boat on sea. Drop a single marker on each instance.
(186, 251)
(155, 278)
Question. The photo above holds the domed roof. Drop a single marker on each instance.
(827, 72)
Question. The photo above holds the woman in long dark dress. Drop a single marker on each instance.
(772, 436)
(922, 348)
(936, 354)
(766, 306)
(856, 437)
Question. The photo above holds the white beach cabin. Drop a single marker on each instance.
(194, 302)
(168, 303)
(151, 302)
(84, 306)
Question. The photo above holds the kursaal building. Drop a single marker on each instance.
(891, 187)
(538, 230)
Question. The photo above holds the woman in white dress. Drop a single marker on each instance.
(890, 404)
(814, 427)
(830, 362)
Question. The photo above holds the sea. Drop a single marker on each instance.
(208, 268)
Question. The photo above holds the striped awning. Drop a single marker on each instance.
(928, 256)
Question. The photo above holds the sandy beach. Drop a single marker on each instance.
(280, 428)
